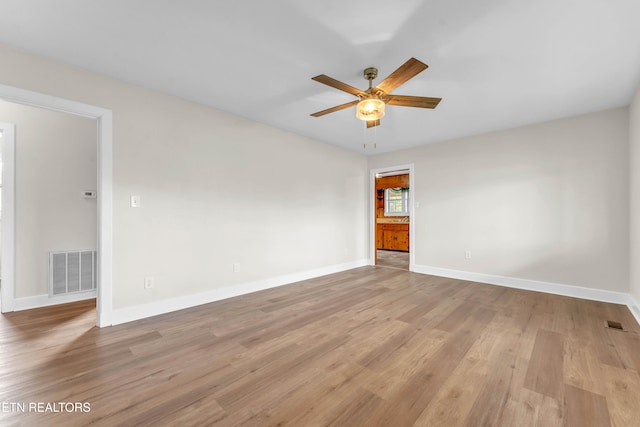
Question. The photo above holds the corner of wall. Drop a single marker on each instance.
(634, 307)
(634, 201)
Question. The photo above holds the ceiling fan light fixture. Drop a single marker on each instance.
(370, 109)
(370, 104)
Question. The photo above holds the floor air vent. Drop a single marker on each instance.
(71, 272)
(614, 325)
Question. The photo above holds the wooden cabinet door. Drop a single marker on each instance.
(379, 240)
(389, 239)
(395, 237)
(402, 241)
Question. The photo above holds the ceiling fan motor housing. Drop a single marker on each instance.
(370, 73)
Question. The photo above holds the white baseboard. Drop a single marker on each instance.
(142, 311)
(535, 285)
(634, 307)
(27, 303)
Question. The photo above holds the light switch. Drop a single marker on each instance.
(135, 201)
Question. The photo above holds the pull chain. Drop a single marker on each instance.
(364, 136)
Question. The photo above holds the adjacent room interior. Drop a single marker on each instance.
(199, 227)
(55, 202)
(392, 219)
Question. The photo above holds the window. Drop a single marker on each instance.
(396, 202)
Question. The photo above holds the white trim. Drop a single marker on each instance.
(372, 211)
(104, 120)
(538, 286)
(142, 311)
(27, 303)
(634, 308)
(8, 216)
(104, 303)
(530, 285)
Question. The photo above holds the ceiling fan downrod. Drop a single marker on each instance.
(370, 74)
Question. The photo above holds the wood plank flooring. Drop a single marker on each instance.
(367, 347)
(393, 259)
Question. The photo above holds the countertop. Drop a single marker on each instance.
(392, 221)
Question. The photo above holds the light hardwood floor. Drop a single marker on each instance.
(367, 347)
(393, 259)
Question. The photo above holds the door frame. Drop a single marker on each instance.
(372, 211)
(104, 121)
(8, 215)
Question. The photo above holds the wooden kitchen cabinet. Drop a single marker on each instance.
(392, 237)
(379, 236)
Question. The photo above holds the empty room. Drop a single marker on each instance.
(409, 213)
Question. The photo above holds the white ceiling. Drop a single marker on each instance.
(496, 63)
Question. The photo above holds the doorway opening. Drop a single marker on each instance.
(55, 205)
(392, 215)
(103, 121)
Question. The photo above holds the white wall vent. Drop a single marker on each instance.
(72, 272)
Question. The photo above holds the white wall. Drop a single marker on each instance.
(55, 162)
(547, 202)
(634, 156)
(215, 189)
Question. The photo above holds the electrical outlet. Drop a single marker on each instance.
(236, 267)
(467, 254)
(148, 283)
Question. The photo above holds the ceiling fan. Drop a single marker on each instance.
(371, 103)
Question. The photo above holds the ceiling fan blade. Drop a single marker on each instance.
(409, 69)
(336, 108)
(338, 85)
(412, 101)
(373, 123)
